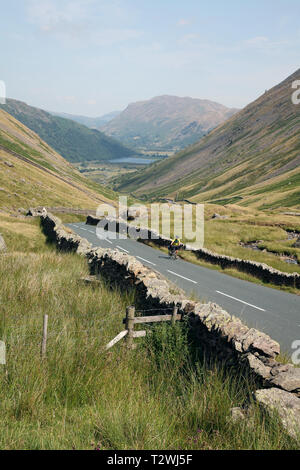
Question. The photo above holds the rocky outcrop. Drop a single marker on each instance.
(3, 248)
(212, 328)
(260, 270)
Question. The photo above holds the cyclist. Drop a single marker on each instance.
(174, 245)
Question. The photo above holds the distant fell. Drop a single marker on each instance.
(91, 122)
(166, 123)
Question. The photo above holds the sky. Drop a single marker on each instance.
(91, 57)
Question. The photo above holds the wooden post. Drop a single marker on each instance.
(130, 311)
(174, 315)
(116, 339)
(44, 341)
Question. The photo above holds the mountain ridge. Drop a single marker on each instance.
(166, 122)
(90, 122)
(256, 145)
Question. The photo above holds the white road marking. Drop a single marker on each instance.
(102, 238)
(146, 261)
(239, 300)
(186, 278)
(123, 249)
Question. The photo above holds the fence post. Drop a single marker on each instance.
(44, 340)
(174, 314)
(130, 311)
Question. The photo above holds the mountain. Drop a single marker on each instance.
(91, 122)
(166, 123)
(33, 174)
(253, 158)
(73, 141)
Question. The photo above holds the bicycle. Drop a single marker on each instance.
(173, 253)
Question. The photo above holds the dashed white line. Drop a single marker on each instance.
(146, 261)
(123, 249)
(186, 278)
(239, 300)
(102, 238)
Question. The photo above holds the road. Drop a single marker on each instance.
(275, 312)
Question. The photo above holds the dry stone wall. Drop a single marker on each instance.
(213, 328)
(260, 270)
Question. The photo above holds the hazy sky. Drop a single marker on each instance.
(94, 56)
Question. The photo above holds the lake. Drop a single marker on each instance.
(134, 160)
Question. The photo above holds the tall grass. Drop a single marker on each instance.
(160, 396)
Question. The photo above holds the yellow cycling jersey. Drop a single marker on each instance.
(176, 242)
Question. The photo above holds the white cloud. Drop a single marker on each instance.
(96, 22)
(68, 18)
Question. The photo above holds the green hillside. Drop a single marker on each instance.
(252, 159)
(75, 142)
(33, 174)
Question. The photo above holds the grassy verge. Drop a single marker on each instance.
(234, 235)
(163, 395)
(191, 258)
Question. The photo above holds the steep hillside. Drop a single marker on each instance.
(32, 173)
(252, 159)
(73, 141)
(166, 123)
(91, 122)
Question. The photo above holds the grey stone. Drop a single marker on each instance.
(257, 366)
(237, 414)
(287, 379)
(285, 404)
(255, 340)
(34, 212)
